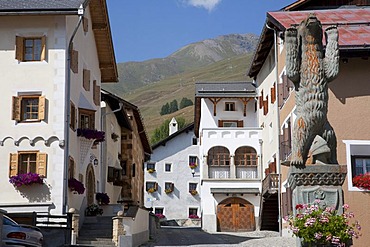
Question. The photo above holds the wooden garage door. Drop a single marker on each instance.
(235, 214)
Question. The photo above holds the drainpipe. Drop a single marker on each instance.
(278, 126)
(102, 183)
(68, 110)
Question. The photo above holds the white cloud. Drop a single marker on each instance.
(207, 4)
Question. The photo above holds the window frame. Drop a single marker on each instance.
(150, 165)
(89, 114)
(20, 50)
(165, 166)
(40, 163)
(193, 208)
(18, 111)
(230, 106)
(192, 186)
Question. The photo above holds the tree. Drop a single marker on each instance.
(162, 131)
(185, 102)
(165, 109)
(173, 106)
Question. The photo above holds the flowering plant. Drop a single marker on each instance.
(93, 210)
(193, 165)
(75, 185)
(322, 225)
(167, 191)
(151, 190)
(193, 216)
(151, 170)
(193, 192)
(160, 216)
(102, 198)
(362, 181)
(26, 179)
(90, 134)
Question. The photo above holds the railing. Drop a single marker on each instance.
(270, 184)
(246, 172)
(219, 172)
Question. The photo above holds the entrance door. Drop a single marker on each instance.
(235, 214)
(90, 185)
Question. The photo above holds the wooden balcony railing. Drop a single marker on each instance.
(270, 184)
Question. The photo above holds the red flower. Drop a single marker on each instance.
(299, 206)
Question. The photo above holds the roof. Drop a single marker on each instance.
(100, 25)
(353, 26)
(323, 4)
(163, 142)
(138, 119)
(225, 89)
(240, 89)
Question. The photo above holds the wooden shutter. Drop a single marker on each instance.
(13, 165)
(19, 48)
(261, 100)
(16, 115)
(42, 104)
(86, 79)
(240, 123)
(220, 123)
(43, 48)
(266, 106)
(41, 163)
(73, 119)
(85, 24)
(96, 93)
(273, 94)
(74, 61)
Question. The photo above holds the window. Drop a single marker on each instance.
(114, 175)
(124, 167)
(30, 48)
(28, 108)
(87, 119)
(169, 186)
(195, 141)
(167, 167)
(150, 166)
(230, 123)
(151, 185)
(159, 211)
(360, 164)
(133, 170)
(229, 106)
(192, 186)
(193, 161)
(24, 162)
(193, 212)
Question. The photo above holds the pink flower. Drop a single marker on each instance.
(345, 206)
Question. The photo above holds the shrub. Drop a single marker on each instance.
(102, 198)
(93, 210)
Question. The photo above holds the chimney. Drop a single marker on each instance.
(172, 126)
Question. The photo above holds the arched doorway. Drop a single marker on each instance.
(90, 184)
(235, 215)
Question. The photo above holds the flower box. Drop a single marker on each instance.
(193, 216)
(160, 216)
(96, 135)
(193, 165)
(168, 191)
(26, 179)
(322, 226)
(151, 190)
(102, 198)
(362, 181)
(193, 192)
(150, 170)
(76, 186)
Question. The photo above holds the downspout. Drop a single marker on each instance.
(68, 111)
(278, 127)
(101, 184)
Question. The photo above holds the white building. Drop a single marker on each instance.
(54, 55)
(230, 155)
(168, 173)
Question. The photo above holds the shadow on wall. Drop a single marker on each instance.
(35, 192)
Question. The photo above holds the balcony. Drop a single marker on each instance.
(270, 184)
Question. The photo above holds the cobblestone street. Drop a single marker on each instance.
(177, 236)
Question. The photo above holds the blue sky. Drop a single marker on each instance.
(145, 29)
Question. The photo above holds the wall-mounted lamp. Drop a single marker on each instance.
(96, 162)
(193, 171)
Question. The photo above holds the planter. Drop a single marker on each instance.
(193, 192)
(151, 170)
(168, 191)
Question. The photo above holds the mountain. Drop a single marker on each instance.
(158, 81)
(133, 75)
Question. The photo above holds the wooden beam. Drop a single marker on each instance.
(214, 101)
(245, 102)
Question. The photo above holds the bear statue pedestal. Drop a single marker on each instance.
(317, 182)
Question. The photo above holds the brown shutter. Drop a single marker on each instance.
(74, 61)
(273, 94)
(43, 48)
(85, 24)
(86, 79)
(19, 48)
(266, 106)
(240, 123)
(13, 165)
(72, 123)
(281, 94)
(41, 164)
(42, 103)
(261, 100)
(16, 108)
(96, 95)
(220, 123)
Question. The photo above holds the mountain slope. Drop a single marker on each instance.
(133, 75)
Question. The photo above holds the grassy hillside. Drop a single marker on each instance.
(151, 97)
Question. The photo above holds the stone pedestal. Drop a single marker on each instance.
(318, 181)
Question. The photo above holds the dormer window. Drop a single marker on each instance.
(229, 106)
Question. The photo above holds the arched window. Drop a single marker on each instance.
(246, 161)
(218, 156)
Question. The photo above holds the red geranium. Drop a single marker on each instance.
(362, 181)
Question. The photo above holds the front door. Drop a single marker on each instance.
(90, 185)
(235, 214)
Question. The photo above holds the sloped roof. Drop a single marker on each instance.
(353, 25)
(163, 142)
(100, 25)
